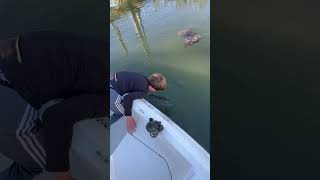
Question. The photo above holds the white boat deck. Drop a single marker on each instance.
(173, 155)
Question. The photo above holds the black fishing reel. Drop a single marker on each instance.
(154, 127)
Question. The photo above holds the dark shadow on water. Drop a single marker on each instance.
(164, 104)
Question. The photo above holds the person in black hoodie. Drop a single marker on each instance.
(48, 82)
(127, 86)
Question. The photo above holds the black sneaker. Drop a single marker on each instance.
(115, 117)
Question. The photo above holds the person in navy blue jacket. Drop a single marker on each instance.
(48, 81)
(127, 86)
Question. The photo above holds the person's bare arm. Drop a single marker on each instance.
(127, 102)
(131, 124)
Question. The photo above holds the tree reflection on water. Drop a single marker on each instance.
(133, 7)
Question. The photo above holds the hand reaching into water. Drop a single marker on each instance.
(131, 124)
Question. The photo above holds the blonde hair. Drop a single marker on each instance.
(157, 81)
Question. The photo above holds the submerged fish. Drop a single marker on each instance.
(190, 37)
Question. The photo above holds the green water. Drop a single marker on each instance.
(143, 39)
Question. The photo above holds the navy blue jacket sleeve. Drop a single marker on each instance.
(128, 100)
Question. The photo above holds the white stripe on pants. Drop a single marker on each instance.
(28, 139)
